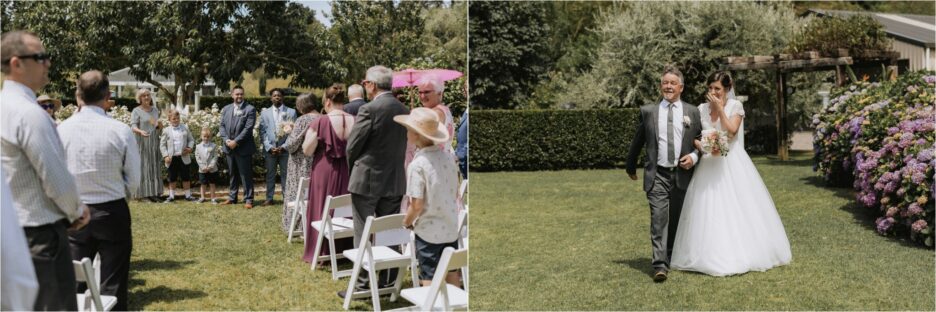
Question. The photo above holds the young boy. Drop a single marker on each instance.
(431, 185)
(206, 155)
(176, 145)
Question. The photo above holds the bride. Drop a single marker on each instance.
(729, 224)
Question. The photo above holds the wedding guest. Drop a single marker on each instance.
(432, 182)
(49, 104)
(274, 121)
(376, 150)
(237, 122)
(103, 157)
(144, 121)
(356, 96)
(43, 190)
(430, 95)
(461, 149)
(176, 146)
(329, 175)
(299, 163)
(206, 155)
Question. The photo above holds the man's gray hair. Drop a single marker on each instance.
(433, 81)
(381, 76)
(355, 91)
(670, 69)
(13, 44)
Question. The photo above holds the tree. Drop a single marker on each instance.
(377, 33)
(188, 41)
(508, 42)
(445, 35)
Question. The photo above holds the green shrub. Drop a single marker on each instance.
(857, 33)
(550, 139)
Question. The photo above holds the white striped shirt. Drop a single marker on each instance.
(102, 154)
(34, 160)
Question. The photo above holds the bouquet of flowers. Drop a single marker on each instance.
(284, 129)
(715, 142)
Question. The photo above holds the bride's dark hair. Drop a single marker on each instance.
(720, 76)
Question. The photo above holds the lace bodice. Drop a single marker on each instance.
(733, 107)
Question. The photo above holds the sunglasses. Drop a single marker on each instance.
(40, 58)
(427, 92)
(47, 106)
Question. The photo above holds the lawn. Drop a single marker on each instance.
(189, 256)
(579, 240)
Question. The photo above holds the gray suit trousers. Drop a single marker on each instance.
(666, 200)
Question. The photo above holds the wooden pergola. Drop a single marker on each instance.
(785, 64)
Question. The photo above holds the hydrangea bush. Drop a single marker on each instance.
(883, 135)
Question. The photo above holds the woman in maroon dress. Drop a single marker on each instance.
(330, 172)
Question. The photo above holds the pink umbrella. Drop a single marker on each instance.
(409, 77)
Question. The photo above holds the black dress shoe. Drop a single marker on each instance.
(659, 276)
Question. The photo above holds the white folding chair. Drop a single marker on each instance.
(91, 299)
(376, 256)
(441, 296)
(462, 190)
(335, 224)
(298, 206)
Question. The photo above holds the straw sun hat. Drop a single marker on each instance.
(425, 122)
(43, 98)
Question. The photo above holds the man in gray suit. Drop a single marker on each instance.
(667, 131)
(274, 141)
(376, 151)
(237, 123)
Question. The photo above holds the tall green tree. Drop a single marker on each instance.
(189, 41)
(446, 35)
(509, 51)
(378, 33)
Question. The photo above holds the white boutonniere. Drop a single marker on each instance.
(686, 121)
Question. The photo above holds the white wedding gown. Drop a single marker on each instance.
(729, 224)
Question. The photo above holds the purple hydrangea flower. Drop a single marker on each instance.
(929, 79)
(884, 224)
(914, 209)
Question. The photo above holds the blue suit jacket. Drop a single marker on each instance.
(268, 128)
(238, 128)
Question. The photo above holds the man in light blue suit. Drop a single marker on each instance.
(272, 120)
(236, 131)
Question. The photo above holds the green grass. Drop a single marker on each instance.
(189, 256)
(579, 240)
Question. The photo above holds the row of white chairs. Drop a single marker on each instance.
(336, 223)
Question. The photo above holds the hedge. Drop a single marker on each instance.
(550, 139)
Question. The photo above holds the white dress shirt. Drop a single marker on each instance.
(102, 154)
(34, 160)
(677, 133)
(433, 177)
(178, 139)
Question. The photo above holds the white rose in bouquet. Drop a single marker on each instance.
(715, 142)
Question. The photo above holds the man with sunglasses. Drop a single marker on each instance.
(44, 192)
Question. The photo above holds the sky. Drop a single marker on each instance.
(321, 8)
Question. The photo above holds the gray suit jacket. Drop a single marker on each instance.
(168, 149)
(646, 137)
(238, 128)
(377, 149)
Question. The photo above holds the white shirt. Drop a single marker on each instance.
(34, 160)
(19, 282)
(678, 128)
(102, 155)
(432, 176)
(178, 139)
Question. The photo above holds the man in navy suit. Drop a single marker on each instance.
(356, 94)
(272, 120)
(237, 122)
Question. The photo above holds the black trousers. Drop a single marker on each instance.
(48, 245)
(109, 234)
(365, 206)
